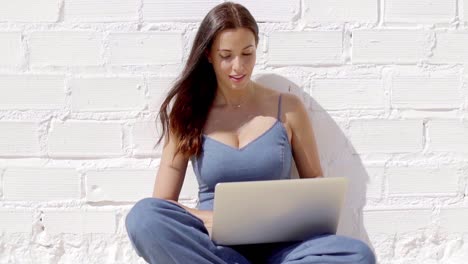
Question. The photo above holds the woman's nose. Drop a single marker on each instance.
(238, 64)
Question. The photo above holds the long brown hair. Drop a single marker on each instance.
(194, 90)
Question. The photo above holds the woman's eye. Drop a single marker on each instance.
(228, 56)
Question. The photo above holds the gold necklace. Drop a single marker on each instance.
(237, 106)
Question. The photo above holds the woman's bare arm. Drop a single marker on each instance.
(171, 172)
(303, 139)
(170, 178)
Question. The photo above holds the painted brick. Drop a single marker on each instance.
(23, 92)
(329, 135)
(1, 182)
(340, 11)
(107, 94)
(41, 184)
(145, 48)
(453, 220)
(157, 90)
(177, 10)
(464, 11)
(426, 92)
(349, 93)
(386, 136)
(420, 11)
(65, 48)
(144, 139)
(451, 48)
(19, 138)
(396, 221)
(79, 222)
(263, 10)
(30, 11)
(101, 10)
(420, 181)
(119, 185)
(375, 183)
(448, 135)
(10, 49)
(85, 139)
(16, 221)
(306, 48)
(388, 46)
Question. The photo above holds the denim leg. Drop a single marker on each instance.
(162, 232)
(324, 249)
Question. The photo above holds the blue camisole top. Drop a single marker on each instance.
(268, 157)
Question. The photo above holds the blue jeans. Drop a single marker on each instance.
(164, 233)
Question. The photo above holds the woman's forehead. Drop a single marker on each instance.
(238, 38)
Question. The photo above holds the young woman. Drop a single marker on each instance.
(232, 129)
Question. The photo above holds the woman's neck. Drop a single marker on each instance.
(234, 98)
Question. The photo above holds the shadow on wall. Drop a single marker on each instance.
(337, 156)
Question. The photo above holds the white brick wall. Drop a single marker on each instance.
(420, 11)
(37, 184)
(177, 10)
(15, 221)
(119, 185)
(149, 48)
(85, 139)
(422, 181)
(375, 186)
(426, 92)
(19, 138)
(157, 88)
(443, 139)
(464, 13)
(453, 220)
(101, 10)
(388, 46)
(30, 11)
(24, 92)
(81, 81)
(305, 48)
(144, 139)
(262, 10)
(354, 93)
(79, 222)
(392, 222)
(65, 48)
(340, 11)
(451, 48)
(107, 94)
(10, 49)
(382, 136)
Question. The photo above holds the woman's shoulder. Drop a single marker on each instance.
(289, 101)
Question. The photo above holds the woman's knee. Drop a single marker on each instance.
(145, 214)
(366, 253)
(360, 251)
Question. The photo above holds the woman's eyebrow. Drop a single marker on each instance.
(230, 50)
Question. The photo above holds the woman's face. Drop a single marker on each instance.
(233, 55)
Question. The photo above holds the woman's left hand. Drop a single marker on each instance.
(205, 215)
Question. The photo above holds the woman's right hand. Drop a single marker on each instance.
(206, 216)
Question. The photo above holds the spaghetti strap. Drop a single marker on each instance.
(279, 108)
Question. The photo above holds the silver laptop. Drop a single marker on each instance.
(277, 210)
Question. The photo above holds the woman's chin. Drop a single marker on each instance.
(240, 85)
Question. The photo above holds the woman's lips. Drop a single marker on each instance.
(236, 78)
